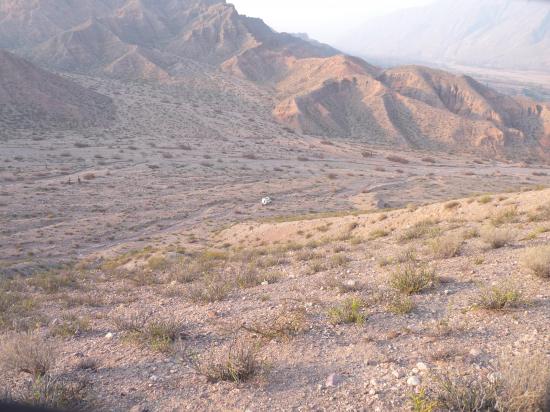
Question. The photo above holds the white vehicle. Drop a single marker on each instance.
(266, 201)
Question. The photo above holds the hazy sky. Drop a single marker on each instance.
(324, 20)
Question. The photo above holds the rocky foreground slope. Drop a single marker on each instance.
(430, 308)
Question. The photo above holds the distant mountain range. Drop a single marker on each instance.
(509, 34)
(317, 89)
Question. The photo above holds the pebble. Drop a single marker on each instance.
(109, 335)
(332, 380)
(421, 366)
(475, 352)
(413, 381)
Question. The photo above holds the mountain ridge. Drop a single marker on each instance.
(318, 90)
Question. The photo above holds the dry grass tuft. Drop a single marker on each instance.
(423, 228)
(506, 215)
(445, 247)
(522, 384)
(212, 289)
(456, 393)
(237, 362)
(537, 260)
(157, 334)
(377, 234)
(286, 325)
(28, 353)
(497, 238)
(525, 383)
(52, 393)
(400, 304)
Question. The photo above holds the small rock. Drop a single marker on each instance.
(397, 374)
(109, 336)
(332, 380)
(475, 352)
(265, 283)
(413, 381)
(351, 283)
(421, 366)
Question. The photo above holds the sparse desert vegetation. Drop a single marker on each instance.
(199, 213)
(241, 306)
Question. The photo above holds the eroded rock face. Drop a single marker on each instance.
(419, 107)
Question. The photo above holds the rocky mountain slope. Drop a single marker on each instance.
(31, 96)
(507, 34)
(317, 89)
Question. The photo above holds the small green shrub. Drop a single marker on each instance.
(411, 279)
(352, 310)
(498, 298)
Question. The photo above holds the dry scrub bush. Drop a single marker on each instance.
(377, 234)
(237, 362)
(397, 159)
(457, 393)
(525, 383)
(211, 289)
(445, 247)
(522, 384)
(286, 325)
(507, 215)
(499, 297)
(537, 260)
(541, 214)
(399, 304)
(28, 353)
(497, 238)
(156, 334)
(423, 228)
(411, 279)
(52, 393)
(485, 199)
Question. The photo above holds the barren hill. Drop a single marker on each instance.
(416, 106)
(31, 96)
(317, 90)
